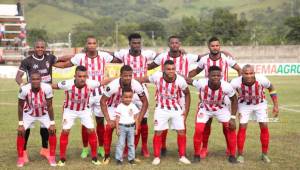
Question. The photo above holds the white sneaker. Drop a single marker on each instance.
(184, 160)
(156, 161)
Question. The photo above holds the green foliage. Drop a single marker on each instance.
(35, 34)
(294, 33)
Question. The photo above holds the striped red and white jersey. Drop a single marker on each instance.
(95, 66)
(213, 100)
(35, 103)
(254, 94)
(114, 91)
(77, 99)
(167, 94)
(182, 63)
(224, 63)
(137, 63)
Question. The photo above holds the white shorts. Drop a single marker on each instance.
(85, 117)
(223, 115)
(29, 120)
(259, 112)
(112, 113)
(162, 117)
(94, 102)
(136, 100)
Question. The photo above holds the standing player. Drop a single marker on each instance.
(112, 98)
(223, 60)
(182, 63)
(77, 94)
(38, 97)
(40, 62)
(94, 61)
(137, 59)
(212, 92)
(250, 88)
(169, 86)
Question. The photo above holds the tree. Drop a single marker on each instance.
(294, 33)
(36, 34)
(153, 27)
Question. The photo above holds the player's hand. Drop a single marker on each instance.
(118, 131)
(275, 111)
(21, 129)
(52, 129)
(111, 123)
(232, 125)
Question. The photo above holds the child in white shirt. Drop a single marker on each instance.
(126, 126)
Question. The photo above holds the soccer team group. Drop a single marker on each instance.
(121, 104)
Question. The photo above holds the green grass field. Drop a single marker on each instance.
(284, 143)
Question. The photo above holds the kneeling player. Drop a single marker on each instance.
(250, 88)
(212, 92)
(38, 97)
(169, 86)
(77, 93)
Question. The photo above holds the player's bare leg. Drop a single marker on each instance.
(85, 141)
(264, 139)
(100, 135)
(206, 134)
(241, 137)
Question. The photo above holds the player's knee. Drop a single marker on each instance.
(181, 132)
(91, 130)
(65, 131)
(263, 124)
(158, 133)
(99, 120)
(144, 121)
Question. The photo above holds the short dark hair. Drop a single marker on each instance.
(35, 72)
(90, 36)
(126, 89)
(169, 62)
(134, 36)
(213, 39)
(125, 68)
(173, 36)
(214, 68)
(80, 68)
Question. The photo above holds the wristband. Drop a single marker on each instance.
(52, 122)
(21, 123)
(232, 117)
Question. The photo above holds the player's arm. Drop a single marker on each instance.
(145, 105)
(274, 98)
(63, 64)
(55, 86)
(106, 81)
(64, 58)
(194, 72)
(117, 124)
(103, 105)
(234, 106)
(20, 116)
(51, 115)
(238, 69)
(152, 65)
(18, 78)
(187, 96)
(116, 60)
(189, 81)
(143, 79)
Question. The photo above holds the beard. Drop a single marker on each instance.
(214, 52)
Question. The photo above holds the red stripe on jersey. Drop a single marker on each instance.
(118, 97)
(103, 69)
(214, 63)
(85, 97)
(41, 95)
(72, 97)
(78, 99)
(134, 66)
(161, 92)
(226, 72)
(208, 65)
(162, 64)
(220, 97)
(86, 62)
(243, 93)
(166, 93)
(249, 94)
(67, 99)
(99, 68)
(212, 96)
(93, 69)
(256, 92)
(181, 64)
(205, 96)
(172, 93)
(36, 110)
(142, 73)
(186, 67)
